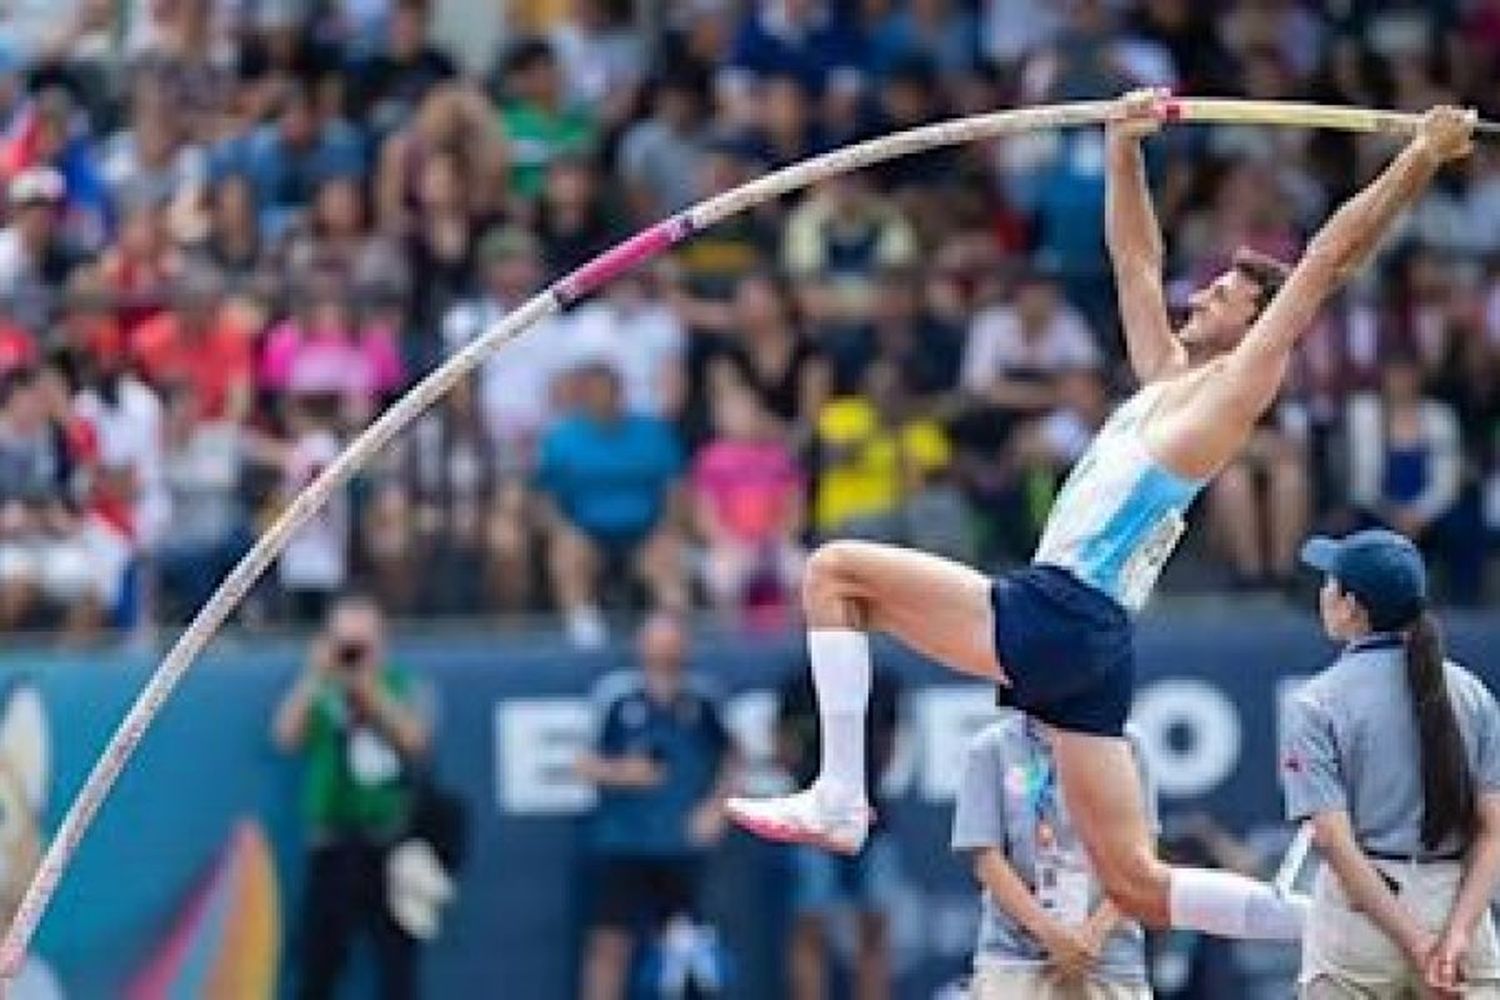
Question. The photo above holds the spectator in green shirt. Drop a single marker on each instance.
(352, 716)
(539, 122)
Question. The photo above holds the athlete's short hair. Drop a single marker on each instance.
(1268, 273)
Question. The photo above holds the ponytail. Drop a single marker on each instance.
(1447, 785)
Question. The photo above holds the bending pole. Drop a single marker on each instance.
(643, 246)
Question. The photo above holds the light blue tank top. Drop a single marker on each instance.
(1120, 514)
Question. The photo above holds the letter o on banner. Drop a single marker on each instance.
(1190, 733)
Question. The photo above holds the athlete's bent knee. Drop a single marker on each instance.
(831, 571)
(1139, 885)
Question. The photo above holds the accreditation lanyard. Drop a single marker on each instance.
(1063, 885)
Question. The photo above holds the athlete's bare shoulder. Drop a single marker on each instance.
(1183, 430)
(1181, 385)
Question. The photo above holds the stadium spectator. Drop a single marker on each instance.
(787, 126)
(184, 47)
(825, 886)
(661, 157)
(353, 716)
(124, 417)
(336, 239)
(323, 350)
(17, 346)
(390, 84)
(516, 386)
(445, 249)
(314, 565)
(748, 508)
(922, 343)
(540, 121)
(138, 270)
(454, 125)
(203, 342)
(872, 457)
(53, 135)
(1260, 506)
(714, 262)
(770, 353)
(908, 98)
(941, 33)
(149, 162)
(204, 463)
(287, 158)
(633, 325)
(837, 242)
(603, 58)
(1406, 472)
(573, 220)
(49, 572)
(663, 763)
(610, 482)
(227, 238)
(34, 259)
(811, 40)
(446, 498)
(1016, 350)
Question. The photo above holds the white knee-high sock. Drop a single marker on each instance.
(1228, 905)
(841, 679)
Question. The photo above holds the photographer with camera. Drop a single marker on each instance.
(352, 716)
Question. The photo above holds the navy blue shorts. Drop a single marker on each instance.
(1066, 649)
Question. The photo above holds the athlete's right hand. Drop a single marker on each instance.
(1447, 132)
(1139, 113)
(1070, 952)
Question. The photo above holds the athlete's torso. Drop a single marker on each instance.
(1121, 513)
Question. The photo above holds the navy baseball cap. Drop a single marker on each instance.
(1382, 569)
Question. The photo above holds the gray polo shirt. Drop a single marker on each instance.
(1008, 789)
(1349, 742)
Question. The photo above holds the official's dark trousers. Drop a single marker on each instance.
(345, 896)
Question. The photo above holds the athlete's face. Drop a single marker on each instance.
(1219, 313)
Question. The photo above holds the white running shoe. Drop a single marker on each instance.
(804, 818)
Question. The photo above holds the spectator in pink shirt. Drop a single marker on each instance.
(321, 350)
(747, 504)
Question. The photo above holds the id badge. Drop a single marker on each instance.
(1064, 893)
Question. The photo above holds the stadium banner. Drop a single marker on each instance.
(188, 884)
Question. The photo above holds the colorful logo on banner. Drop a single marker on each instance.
(226, 940)
(25, 776)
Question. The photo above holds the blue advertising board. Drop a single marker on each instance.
(193, 867)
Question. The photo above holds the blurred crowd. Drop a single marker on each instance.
(235, 230)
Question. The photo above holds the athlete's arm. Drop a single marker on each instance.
(1135, 243)
(1254, 372)
(1363, 885)
(1481, 872)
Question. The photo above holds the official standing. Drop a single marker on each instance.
(1393, 754)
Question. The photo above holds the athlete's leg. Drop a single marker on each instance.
(1102, 787)
(937, 607)
(1099, 781)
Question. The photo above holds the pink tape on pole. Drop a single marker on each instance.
(642, 246)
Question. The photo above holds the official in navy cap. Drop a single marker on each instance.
(1393, 754)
